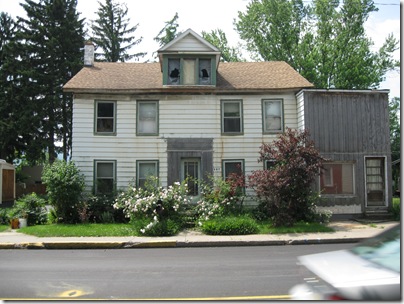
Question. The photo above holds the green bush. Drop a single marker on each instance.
(100, 209)
(32, 207)
(4, 217)
(233, 225)
(154, 207)
(64, 186)
(396, 210)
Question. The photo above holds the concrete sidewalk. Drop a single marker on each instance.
(345, 232)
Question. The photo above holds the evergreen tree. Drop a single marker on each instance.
(51, 41)
(111, 33)
(324, 41)
(168, 32)
(9, 121)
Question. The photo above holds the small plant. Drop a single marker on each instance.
(396, 209)
(235, 225)
(64, 186)
(153, 206)
(220, 197)
(32, 207)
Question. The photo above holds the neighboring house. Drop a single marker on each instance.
(351, 129)
(7, 183)
(187, 115)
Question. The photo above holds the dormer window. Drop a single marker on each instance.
(173, 71)
(189, 71)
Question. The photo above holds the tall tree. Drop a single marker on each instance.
(218, 39)
(10, 122)
(112, 33)
(395, 130)
(325, 40)
(51, 41)
(168, 32)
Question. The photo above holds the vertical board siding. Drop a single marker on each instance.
(191, 116)
(349, 126)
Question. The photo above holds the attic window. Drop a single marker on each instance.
(205, 68)
(189, 71)
(174, 71)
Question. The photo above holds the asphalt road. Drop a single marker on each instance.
(248, 273)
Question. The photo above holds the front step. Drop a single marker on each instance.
(378, 213)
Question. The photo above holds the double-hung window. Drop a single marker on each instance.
(232, 117)
(104, 176)
(272, 112)
(147, 118)
(233, 170)
(233, 167)
(105, 117)
(144, 170)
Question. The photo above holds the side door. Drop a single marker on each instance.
(375, 178)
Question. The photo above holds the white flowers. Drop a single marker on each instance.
(153, 202)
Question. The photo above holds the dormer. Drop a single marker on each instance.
(189, 60)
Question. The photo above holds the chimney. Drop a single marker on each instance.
(88, 53)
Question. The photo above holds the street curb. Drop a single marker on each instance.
(170, 244)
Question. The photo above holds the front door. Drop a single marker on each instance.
(375, 181)
(190, 168)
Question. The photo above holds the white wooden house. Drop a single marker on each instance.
(186, 115)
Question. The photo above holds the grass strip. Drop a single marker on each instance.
(78, 230)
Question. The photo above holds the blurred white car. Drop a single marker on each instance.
(368, 271)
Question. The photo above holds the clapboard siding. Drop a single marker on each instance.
(193, 116)
(189, 43)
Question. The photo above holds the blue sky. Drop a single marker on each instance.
(208, 15)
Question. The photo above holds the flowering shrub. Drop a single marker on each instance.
(285, 188)
(220, 197)
(154, 206)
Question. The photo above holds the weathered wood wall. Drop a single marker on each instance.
(348, 126)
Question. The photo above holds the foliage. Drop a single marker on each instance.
(64, 186)
(100, 209)
(285, 188)
(324, 40)
(220, 197)
(168, 32)
(396, 208)
(218, 39)
(32, 207)
(48, 52)
(154, 205)
(234, 225)
(395, 136)
(4, 216)
(111, 33)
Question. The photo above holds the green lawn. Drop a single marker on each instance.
(64, 230)
(78, 230)
(300, 227)
(4, 228)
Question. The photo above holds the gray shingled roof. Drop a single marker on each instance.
(106, 77)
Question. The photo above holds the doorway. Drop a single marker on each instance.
(375, 175)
